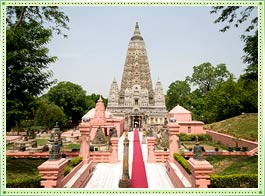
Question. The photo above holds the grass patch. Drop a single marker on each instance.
(10, 146)
(72, 146)
(19, 168)
(244, 126)
(42, 142)
(224, 165)
(207, 145)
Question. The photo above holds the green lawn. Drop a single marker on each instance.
(19, 168)
(72, 146)
(224, 165)
(243, 126)
(42, 142)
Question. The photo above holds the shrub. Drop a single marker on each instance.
(244, 149)
(182, 161)
(230, 149)
(67, 170)
(234, 181)
(237, 148)
(75, 161)
(192, 137)
(45, 148)
(26, 182)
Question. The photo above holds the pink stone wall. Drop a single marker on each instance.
(180, 116)
(191, 128)
(231, 141)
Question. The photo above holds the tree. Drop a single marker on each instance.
(93, 99)
(47, 114)
(177, 93)
(251, 57)
(237, 15)
(207, 77)
(249, 95)
(71, 98)
(29, 29)
(224, 102)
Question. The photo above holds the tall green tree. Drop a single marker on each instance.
(47, 114)
(177, 93)
(71, 98)
(29, 29)
(206, 77)
(236, 15)
(224, 102)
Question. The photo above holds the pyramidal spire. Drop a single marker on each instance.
(136, 29)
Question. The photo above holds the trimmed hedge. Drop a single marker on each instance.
(182, 161)
(192, 137)
(234, 181)
(74, 162)
(25, 182)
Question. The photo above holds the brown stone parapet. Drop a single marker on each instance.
(151, 149)
(200, 173)
(52, 173)
(173, 131)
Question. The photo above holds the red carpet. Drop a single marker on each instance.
(139, 179)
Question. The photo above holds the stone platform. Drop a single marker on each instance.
(107, 175)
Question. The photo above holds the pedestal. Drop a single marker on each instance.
(200, 173)
(114, 153)
(173, 131)
(52, 173)
(84, 129)
(151, 149)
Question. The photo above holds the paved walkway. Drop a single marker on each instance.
(107, 175)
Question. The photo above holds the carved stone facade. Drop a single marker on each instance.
(136, 100)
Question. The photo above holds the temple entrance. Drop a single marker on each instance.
(135, 121)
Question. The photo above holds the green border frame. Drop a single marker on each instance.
(215, 191)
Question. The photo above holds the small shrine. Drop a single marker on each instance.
(183, 118)
(99, 117)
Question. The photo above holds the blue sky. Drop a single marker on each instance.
(177, 38)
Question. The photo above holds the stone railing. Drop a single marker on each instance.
(26, 154)
(161, 157)
(100, 156)
(79, 175)
(230, 140)
(178, 175)
(219, 153)
(72, 172)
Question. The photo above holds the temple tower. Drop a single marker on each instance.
(136, 67)
(113, 98)
(136, 100)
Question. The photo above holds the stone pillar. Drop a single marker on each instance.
(151, 149)
(200, 173)
(114, 153)
(52, 173)
(85, 129)
(125, 180)
(173, 131)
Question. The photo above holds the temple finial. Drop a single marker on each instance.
(136, 29)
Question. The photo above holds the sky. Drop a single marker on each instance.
(176, 38)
